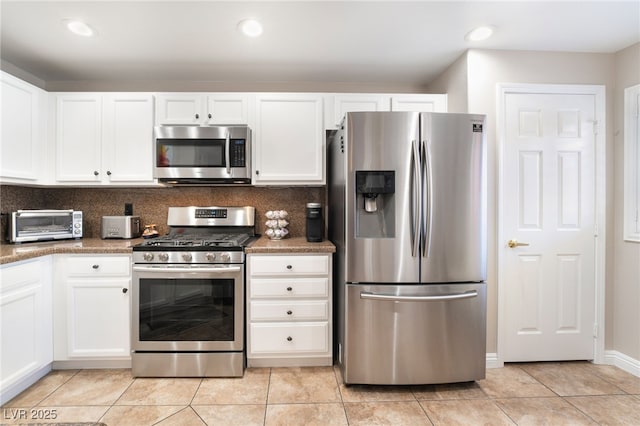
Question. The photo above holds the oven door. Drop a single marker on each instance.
(188, 308)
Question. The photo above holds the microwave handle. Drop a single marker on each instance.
(227, 157)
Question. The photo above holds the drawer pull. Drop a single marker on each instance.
(289, 312)
(289, 267)
(95, 266)
(289, 339)
(289, 289)
(125, 290)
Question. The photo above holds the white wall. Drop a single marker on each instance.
(626, 255)
(454, 82)
(485, 70)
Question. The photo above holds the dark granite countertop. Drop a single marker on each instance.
(290, 245)
(16, 252)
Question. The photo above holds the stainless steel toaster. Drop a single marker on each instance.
(120, 227)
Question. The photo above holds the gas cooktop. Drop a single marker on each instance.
(201, 235)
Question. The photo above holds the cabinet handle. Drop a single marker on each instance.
(257, 172)
(124, 290)
(95, 173)
(209, 116)
(289, 339)
(95, 266)
(289, 267)
(289, 312)
(108, 172)
(197, 116)
(289, 289)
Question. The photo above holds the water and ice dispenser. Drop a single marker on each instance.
(375, 206)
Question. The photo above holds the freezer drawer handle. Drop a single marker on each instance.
(396, 298)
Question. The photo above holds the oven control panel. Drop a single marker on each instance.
(185, 257)
(211, 213)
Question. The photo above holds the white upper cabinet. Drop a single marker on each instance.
(363, 102)
(419, 103)
(289, 139)
(104, 139)
(24, 120)
(202, 109)
(344, 103)
(78, 137)
(127, 142)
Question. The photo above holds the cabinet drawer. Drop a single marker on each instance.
(290, 311)
(292, 287)
(289, 265)
(288, 338)
(99, 266)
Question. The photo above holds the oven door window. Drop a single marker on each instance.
(186, 309)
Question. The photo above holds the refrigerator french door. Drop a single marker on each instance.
(408, 216)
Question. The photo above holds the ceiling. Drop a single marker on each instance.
(318, 41)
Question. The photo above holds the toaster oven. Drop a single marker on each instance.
(44, 225)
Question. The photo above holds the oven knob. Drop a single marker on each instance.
(148, 257)
(163, 257)
(210, 257)
(187, 257)
(225, 257)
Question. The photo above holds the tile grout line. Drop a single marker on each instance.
(194, 397)
(344, 408)
(53, 391)
(117, 399)
(266, 402)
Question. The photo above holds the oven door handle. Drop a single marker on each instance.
(187, 269)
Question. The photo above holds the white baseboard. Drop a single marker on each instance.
(493, 361)
(92, 364)
(15, 389)
(623, 362)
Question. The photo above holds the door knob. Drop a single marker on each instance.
(515, 243)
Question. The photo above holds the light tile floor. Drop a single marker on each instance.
(568, 393)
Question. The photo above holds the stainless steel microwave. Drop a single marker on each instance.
(202, 155)
(44, 225)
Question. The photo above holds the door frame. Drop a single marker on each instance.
(504, 89)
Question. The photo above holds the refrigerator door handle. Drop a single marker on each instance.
(395, 298)
(427, 216)
(415, 208)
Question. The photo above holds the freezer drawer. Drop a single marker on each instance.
(414, 334)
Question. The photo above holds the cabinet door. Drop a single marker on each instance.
(128, 138)
(186, 108)
(227, 108)
(419, 103)
(98, 317)
(78, 136)
(21, 146)
(26, 343)
(358, 103)
(289, 140)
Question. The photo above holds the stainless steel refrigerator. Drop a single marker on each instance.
(408, 215)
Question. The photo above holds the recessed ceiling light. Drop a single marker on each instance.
(479, 34)
(79, 28)
(250, 27)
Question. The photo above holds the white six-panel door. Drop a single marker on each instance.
(548, 227)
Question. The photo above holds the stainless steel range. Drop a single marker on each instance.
(188, 295)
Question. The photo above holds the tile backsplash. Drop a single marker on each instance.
(151, 204)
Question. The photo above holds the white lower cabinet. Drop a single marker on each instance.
(289, 310)
(26, 335)
(92, 309)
